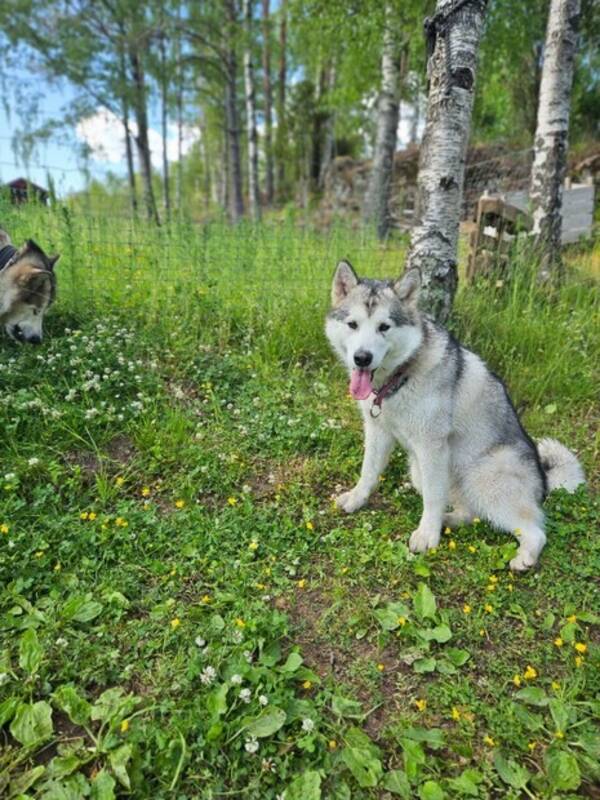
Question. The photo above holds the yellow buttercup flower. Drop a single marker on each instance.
(531, 746)
(455, 713)
(4, 528)
(421, 705)
(253, 545)
(84, 515)
(232, 501)
(559, 735)
(119, 481)
(125, 726)
(488, 608)
(302, 583)
(401, 621)
(447, 531)
(555, 685)
(307, 685)
(381, 667)
(452, 544)
(240, 622)
(516, 680)
(205, 599)
(579, 661)
(175, 623)
(558, 642)
(581, 647)
(332, 744)
(121, 523)
(310, 526)
(489, 741)
(530, 673)
(179, 503)
(471, 548)
(476, 520)
(467, 608)
(572, 618)
(146, 491)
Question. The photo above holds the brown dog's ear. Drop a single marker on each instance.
(408, 286)
(52, 261)
(344, 280)
(32, 282)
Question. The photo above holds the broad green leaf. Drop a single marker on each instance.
(466, 784)
(510, 772)
(305, 787)
(267, 724)
(424, 602)
(562, 769)
(590, 741)
(292, 663)
(30, 652)
(216, 702)
(7, 709)
(441, 634)
(73, 788)
(344, 707)
(433, 737)
(457, 656)
(80, 609)
(103, 786)
(414, 756)
(271, 654)
(446, 667)
(589, 617)
(431, 790)
(533, 722)
(533, 695)
(75, 707)
(119, 759)
(22, 782)
(32, 723)
(339, 791)
(108, 704)
(396, 782)
(389, 616)
(568, 632)
(560, 714)
(61, 766)
(424, 665)
(361, 756)
(88, 611)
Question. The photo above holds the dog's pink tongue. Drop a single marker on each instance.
(360, 384)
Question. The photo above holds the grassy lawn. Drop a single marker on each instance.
(184, 614)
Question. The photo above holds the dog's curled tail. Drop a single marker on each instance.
(562, 467)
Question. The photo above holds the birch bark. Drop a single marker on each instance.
(376, 210)
(451, 71)
(252, 133)
(268, 95)
(550, 144)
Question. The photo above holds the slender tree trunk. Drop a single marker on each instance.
(129, 159)
(377, 201)
(550, 144)
(451, 71)
(252, 133)
(179, 105)
(141, 139)
(281, 87)
(164, 102)
(268, 100)
(329, 138)
(236, 198)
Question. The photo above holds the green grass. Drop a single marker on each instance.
(172, 560)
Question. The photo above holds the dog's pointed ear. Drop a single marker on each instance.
(408, 286)
(52, 261)
(344, 280)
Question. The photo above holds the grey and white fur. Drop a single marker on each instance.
(466, 446)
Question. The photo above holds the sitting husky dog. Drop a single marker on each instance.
(417, 385)
(27, 288)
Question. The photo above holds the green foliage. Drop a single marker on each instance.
(182, 610)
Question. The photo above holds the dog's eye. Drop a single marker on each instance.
(383, 327)
(35, 312)
(353, 325)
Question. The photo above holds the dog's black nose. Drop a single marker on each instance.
(362, 358)
(34, 339)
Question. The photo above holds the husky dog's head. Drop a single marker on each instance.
(27, 289)
(373, 324)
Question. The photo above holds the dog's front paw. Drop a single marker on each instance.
(423, 539)
(522, 561)
(350, 501)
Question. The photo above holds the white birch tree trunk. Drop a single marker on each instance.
(550, 144)
(451, 72)
(376, 209)
(252, 133)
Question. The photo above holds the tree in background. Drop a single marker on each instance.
(454, 33)
(376, 209)
(550, 145)
(252, 133)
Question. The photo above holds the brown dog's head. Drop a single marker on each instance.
(28, 289)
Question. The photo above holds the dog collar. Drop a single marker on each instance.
(393, 384)
(6, 254)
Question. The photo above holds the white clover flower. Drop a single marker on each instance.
(245, 695)
(208, 675)
(237, 636)
(248, 656)
(251, 745)
(199, 641)
(263, 699)
(10, 476)
(236, 679)
(61, 642)
(33, 462)
(307, 724)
